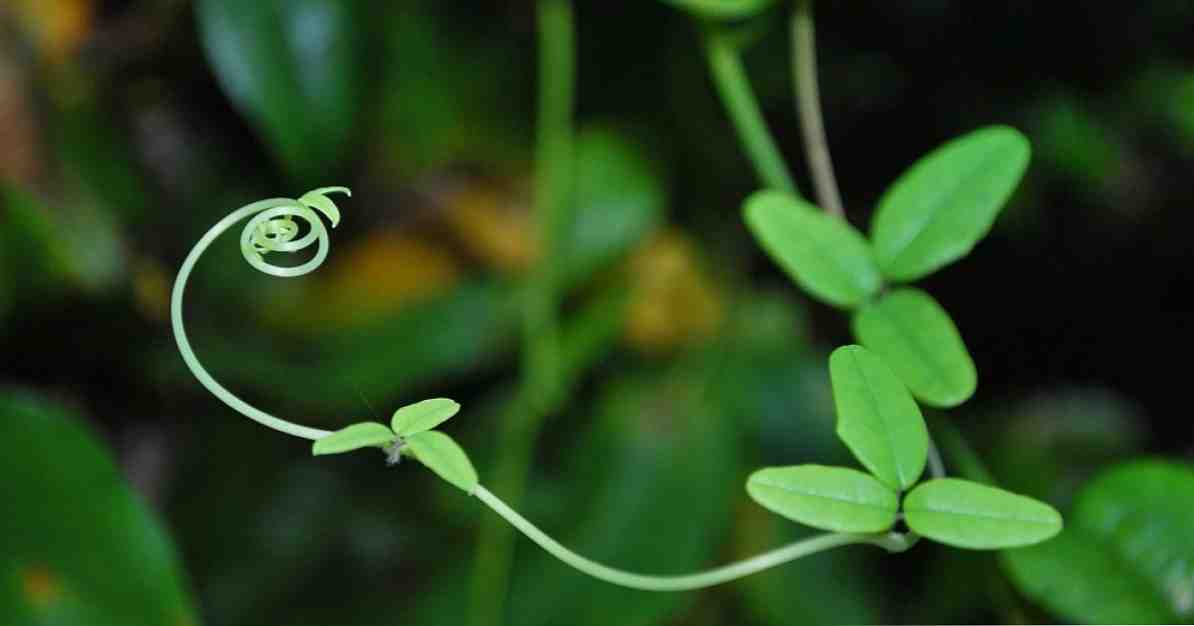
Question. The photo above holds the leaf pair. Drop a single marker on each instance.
(882, 425)
(410, 430)
(933, 215)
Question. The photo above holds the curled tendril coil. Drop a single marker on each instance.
(272, 228)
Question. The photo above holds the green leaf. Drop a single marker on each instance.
(420, 416)
(947, 201)
(722, 9)
(831, 498)
(877, 417)
(822, 253)
(619, 198)
(353, 437)
(78, 545)
(1126, 556)
(964, 514)
(318, 199)
(293, 68)
(444, 457)
(916, 338)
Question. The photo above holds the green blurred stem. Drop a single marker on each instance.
(936, 466)
(729, 76)
(964, 458)
(541, 388)
(808, 107)
(893, 542)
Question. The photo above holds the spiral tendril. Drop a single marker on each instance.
(272, 228)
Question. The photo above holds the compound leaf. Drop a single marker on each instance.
(831, 498)
(443, 456)
(916, 338)
(822, 253)
(965, 514)
(877, 417)
(349, 438)
(946, 202)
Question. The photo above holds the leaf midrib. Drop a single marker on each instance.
(835, 498)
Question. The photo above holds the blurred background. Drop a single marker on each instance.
(127, 128)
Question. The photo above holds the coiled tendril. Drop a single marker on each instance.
(272, 229)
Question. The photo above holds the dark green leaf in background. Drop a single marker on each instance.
(722, 9)
(877, 417)
(822, 253)
(946, 202)
(1127, 553)
(965, 514)
(619, 199)
(77, 546)
(916, 338)
(831, 498)
(294, 69)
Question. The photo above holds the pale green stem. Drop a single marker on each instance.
(729, 77)
(893, 542)
(265, 210)
(808, 106)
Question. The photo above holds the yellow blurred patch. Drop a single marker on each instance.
(494, 225)
(42, 588)
(371, 277)
(674, 302)
(151, 289)
(60, 27)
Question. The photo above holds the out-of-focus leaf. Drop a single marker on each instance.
(1049, 445)
(78, 545)
(916, 338)
(31, 254)
(964, 514)
(822, 253)
(1127, 554)
(353, 437)
(1074, 140)
(443, 456)
(722, 9)
(421, 416)
(294, 69)
(831, 498)
(877, 417)
(619, 198)
(95, 153)
(946, 202)
(658, 451)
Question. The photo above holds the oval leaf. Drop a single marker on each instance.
(877, 417)
(1138, 517)
(722, 9)
(947, 201)
(420, 416)
(831, 498)
(822, 253)
(353, 437)
(916, 338)
(441, 454)
(965, 514)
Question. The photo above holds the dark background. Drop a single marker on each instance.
(121, 138)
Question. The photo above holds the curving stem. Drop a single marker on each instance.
(272, 229)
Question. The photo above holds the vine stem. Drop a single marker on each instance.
(808, 106)
(729, 77)
(265, 210)
(893, 542)
(542, 383)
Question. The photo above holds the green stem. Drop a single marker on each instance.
(808, 106)
(936, 466)
(541, 388)
(729, 76)
(893, 542)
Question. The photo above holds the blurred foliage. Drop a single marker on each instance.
(130, 127)
(79, 547)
